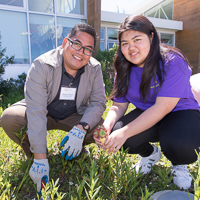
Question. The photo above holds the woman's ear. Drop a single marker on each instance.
(151, 37)
(64, 42)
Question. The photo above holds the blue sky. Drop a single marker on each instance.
(121, 6)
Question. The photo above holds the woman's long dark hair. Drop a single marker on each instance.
(151, 66)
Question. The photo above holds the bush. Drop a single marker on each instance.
(4, 60)
(12, 90)
(106, 59)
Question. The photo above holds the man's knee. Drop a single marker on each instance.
(13, 116)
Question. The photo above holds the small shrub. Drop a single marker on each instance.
(4, 60)
(12, 90)
(106, 59)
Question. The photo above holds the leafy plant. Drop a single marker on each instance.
(4, 60)
(197, 181)
(106, 58)
(12, 90)
(164, 176)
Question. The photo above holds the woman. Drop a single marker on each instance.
(154, 78)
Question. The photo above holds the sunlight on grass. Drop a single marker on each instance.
(97, 176)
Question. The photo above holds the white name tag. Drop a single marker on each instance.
(67, 93)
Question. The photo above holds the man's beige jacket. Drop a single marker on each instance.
(42, 85)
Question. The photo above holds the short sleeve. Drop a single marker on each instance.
(120, 99)
(176, 79)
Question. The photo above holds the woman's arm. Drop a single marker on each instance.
(116, 111)
(146, 120)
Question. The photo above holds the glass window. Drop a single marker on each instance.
(42, 34)
(110, 44)
(169, 10)
(64, 25)
(71, 6)
(167, 39)
(102, 46)
(102, 33)
(164, 10)
(162, 14)
(45, 6)
(112, 34)
(18, 3)
(14, 35)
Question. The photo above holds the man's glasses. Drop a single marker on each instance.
(77, 46)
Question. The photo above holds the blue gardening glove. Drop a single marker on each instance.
(74, 143)
(39, 173)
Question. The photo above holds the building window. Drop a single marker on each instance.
(18, 3)
(45, 6)
(102, 39)
(14, 35)
(112, 37)
(163, 10)
(42, 34)
(72, 6)
(109, 37)
(167, 39)
(64, 25)
(33, 27)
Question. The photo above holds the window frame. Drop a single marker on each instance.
(14, 8)
(55, 14)
(168, 33)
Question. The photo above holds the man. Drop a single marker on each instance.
(64, 90)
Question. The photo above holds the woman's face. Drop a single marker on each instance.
(135, 46)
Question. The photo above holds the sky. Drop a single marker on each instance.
(121, 6)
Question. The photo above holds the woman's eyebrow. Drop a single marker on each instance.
(132, 38)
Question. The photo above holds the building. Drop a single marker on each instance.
(159, 12)
(33, 27)
(188, 40)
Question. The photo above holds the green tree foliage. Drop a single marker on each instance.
(4, 60)
(11, 90)
(106, 59)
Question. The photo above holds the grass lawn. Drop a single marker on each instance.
(98, 176)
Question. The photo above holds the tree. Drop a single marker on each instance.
(4, 60)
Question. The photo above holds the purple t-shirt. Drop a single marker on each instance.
(176, 84)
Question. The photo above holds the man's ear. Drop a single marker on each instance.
(64, 42)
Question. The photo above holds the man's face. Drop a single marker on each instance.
(76, 59)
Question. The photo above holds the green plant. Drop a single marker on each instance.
(4, 60)
(106, 59)
(197, 181)
(12, 90)
(100, 176)
(164, 176)
(51, 191)
(146, 195)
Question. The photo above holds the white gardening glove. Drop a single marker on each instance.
(39, 173)
(74, 143)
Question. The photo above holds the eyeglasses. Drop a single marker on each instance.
(77, 46)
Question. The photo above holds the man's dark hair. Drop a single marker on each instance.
(83, 27)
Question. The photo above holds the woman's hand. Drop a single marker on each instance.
(115, 141)
(98, 142)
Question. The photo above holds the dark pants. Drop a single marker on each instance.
(178, 134)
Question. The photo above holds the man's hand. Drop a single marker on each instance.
(74, 143)
(39, 173)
